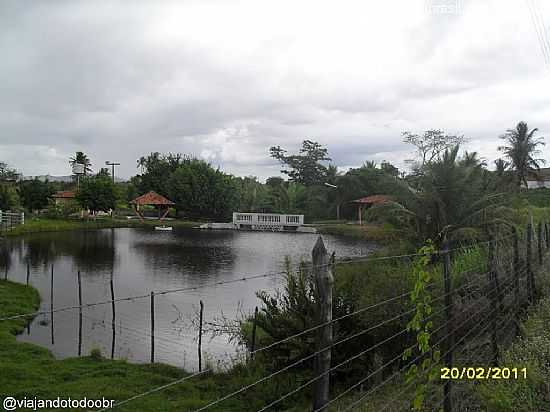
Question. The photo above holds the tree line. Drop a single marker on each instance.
(438, 191)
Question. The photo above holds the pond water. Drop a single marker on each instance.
(143, 260)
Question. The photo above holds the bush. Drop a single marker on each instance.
(532, 351)
(95, 354)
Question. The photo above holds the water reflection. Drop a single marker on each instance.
(101, 265)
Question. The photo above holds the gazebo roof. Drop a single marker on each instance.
(64, 194)
(152, 198)
(373, 200)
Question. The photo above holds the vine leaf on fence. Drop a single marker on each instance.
(421, 298)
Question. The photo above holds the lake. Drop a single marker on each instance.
(143, 260)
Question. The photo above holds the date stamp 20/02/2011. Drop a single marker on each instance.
(483, 373)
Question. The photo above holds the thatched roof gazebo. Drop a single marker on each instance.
(368, 201)
(152, 199)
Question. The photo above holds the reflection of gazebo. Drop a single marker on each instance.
(366, 202)
(152, 199)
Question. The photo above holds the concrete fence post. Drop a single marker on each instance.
(323, 282)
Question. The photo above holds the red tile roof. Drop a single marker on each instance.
(64, 194)
(373, 200)
(152, 198)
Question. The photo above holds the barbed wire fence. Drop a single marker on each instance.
(477, 308)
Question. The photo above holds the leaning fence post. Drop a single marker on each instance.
(493, 291)
(201, 314)
(530, 276)
(539, 241)
(152, 327)
(516, 277)
(254, 325)
(449, 341)
(51, 307)
(113, 319)
(323, 282)
(79, 314)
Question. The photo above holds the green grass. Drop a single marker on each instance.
(383, 234)
(35, 225)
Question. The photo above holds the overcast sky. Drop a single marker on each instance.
(225, 80)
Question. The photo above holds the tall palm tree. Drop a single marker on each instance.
(521, 150)
(81, 158)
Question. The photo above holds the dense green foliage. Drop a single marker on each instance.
(96, 193)
(194, 185)
(35, 194)
(199, 190)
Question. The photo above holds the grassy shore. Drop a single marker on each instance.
(35, 225)
(28, 370)
(382, 234)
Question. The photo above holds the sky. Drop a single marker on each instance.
(224, 80)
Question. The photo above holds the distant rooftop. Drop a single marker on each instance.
(541, 174)
(64, 194)
(373, 200)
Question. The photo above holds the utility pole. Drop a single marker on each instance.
(112, 164)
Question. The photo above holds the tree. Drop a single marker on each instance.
(389, 169)
(199, 190)
(305, 167)
(7, 174)
(156, 169)
(34, 194)
(252, 194)
(81, 158)
(8, 196)
(96, 193)
(521, 149)
(431, 144)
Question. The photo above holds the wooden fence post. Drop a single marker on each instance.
(113, 318)
(254, 323)
(323, 282)
(546, 235)
(79, 315)
(51, 307)
(493, 291)
(449, 341)
(539, 241)
(530, 276)
(516, 277)
(201, 314)
(28, 272)
(6, 270)
(152, 327)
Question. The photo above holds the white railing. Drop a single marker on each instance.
(10, 219)
(266, 219)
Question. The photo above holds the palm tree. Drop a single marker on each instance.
(81, 158)
(370, 164)
(449, 197)
(521, 150)
(472, 159)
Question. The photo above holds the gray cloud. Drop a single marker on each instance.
(226, 80)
